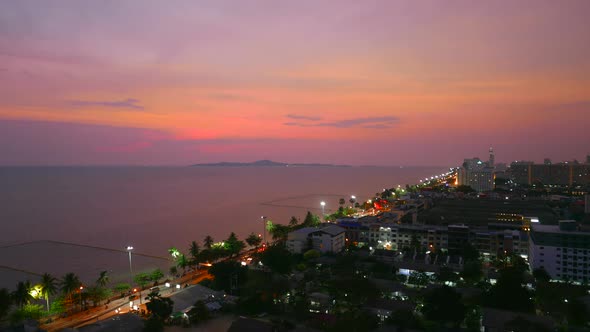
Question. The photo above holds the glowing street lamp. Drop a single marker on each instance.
(323, 204)
(81, 289)
(264, 227)
(129, 248)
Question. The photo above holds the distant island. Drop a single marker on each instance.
(266, 163)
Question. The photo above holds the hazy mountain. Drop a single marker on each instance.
(267, 163)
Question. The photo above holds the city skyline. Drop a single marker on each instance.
(371, 83)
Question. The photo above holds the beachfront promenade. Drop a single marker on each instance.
(109, 310)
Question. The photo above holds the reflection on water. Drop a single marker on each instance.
(154, 208)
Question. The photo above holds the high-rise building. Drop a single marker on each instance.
(562, 250)
(491, 160)
(550, 174)
(547, 161)
(477, 174)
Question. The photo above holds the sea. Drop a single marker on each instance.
(81, 219)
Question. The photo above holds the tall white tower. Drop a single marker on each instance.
(491, 161)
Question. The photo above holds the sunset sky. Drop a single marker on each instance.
(356, 82)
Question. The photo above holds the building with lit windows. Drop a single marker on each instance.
(477, 174)
(565, 174)
(562, 250)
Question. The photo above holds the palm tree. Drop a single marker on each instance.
(174, 252)
(253, 240)
(293, 222)
(194, 252)
(5, 302)
(69, 284)
(22, 295)
(182, 262)
(48, 287)
(208, 242)
(103, 279)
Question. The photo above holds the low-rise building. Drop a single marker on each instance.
(325, 239)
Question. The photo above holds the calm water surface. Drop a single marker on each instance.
(154, 208)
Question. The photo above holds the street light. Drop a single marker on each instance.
(323, 204)
(129, 248)
(264, 226)
(81, 288)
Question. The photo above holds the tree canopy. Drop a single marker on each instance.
(158, 306)
(443, 305)
(253, 240)
(277, 258)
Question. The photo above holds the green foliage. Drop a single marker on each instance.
(444, 305)
(158, 306)
(21, 295)
(194, 251)
(103, 279)
(446, 274)
(469, 253)
(28, 311)
(262, 289)
(404, 319)
(311, 254)
(472, 272)
(58, 306)
(199, 313)
(233, 245)
(174, 252)
(270, 226)
(473, 319)
(5, 302)
(509, 294)
(418, 278)
(253, 240)
(48, 287)
(277, 258)
(156, 275)
(561, 300)
(311, 220)
(293, 222)
(142, 279)
(355, 291)
(182, 262)
(97, 294)
(208, 242)
(70, 283)
(122, 287)
(280, 232)
(227, 272)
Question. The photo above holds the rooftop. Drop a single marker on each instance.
(564, 227)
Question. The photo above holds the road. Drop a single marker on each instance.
(109, 310)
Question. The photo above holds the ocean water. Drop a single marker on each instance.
(80, 219)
